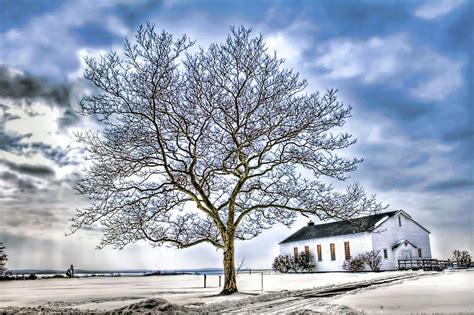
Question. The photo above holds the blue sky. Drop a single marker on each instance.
(405, 67)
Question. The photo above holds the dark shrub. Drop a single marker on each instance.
(281, 264)
(372, 259)
(303, 262)
(354, 264)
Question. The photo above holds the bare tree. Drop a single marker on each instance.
(373, 259)
(210, 146)
(463, 258)
(3, 259)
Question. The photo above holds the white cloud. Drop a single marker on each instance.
(445, 80)
(52, 35)
(393, 60)
(403, 157)
(116, 26)
(436, 8)
(290, 43)
(294, 44)
(285, 47)
(81, 54)
(371, 60)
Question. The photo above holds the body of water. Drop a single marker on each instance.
(127, 273)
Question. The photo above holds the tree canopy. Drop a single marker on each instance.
(209, 145)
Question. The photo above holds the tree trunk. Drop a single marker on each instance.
(230, 281)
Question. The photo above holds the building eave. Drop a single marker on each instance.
(318, 238)
(400, 242)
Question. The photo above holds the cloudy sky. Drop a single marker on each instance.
(405, 67)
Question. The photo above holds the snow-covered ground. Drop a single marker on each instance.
(113, 292)
(446, 292)
(448, 289)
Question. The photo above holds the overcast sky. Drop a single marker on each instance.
(405, 67)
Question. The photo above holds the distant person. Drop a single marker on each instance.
(72, 270)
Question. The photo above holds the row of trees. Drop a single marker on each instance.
(462, 258)
(3, 259)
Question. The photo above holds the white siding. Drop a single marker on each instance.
(389, 233)
(359, 243)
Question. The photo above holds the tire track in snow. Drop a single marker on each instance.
(306, 300)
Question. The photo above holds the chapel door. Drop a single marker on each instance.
(406, 254)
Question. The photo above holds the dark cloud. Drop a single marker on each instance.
(69, 118)
(34, 170)
(60, 156)
(6, 116)
(13, 221)
(18, 12)
(460, 34)
(391, 102)
(394, 162)
(72, 179)
(14, 85)
(359, 18)
(9, 117)
(11, 142)
(401, 182)
(94, 228)
(26, 87)
(450, 185)
(13, 181)
(25, 185)
(22, 87)
(461, 133)
(135, 14)
(8, 176)
(14, 143)
(94, 34)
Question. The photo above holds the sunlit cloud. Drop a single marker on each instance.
(393, 60)
(437, 8)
